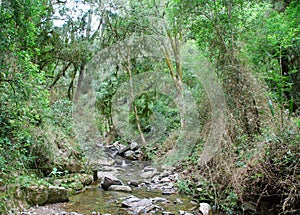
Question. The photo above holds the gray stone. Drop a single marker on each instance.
(148, 209)
(130, 201)
(165, 179)
(130, 155)
(109, 180)
(135, 204)
(155, 179)
(168, 168)
(184, 213)
(178, 201)
(149, 174)
(122, 149)
(134, 146)
(133, 183)
(159, 200)
(149, 168)
(165, 173)
(205, 209)
(57, 194)
(121, 188)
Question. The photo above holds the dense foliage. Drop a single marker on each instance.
(46, 45)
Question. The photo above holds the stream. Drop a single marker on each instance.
(151, 183)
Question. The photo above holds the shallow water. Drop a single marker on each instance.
(102, 201)
(96, 199)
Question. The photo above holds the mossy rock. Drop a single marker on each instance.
(75, 181)
(36, 195)
(57, 194)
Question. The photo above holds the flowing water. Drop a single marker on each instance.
(96, 199)
(109, 201)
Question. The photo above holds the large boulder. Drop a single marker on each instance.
(57, 194)
(75, 181)
(109, 180)
(36, 195)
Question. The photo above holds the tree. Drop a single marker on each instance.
(23, 97)
(217, 27)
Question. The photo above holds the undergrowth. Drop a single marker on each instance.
(258, 175)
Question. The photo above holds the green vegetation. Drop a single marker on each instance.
(253, 46)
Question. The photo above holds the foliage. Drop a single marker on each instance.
(153, 102)
(23, 96)
(272, 46)
(184, 186)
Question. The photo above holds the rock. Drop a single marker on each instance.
(57, 194)
(178, 201)
(107, 169)
(165, 173)
(155, 179)
(103, 174)
(168, 213)
(122, 149)
(133, 183)
(130, 202)
(140, 203)
(139, 154)
(74, 166)
(174, 177)
(149, 174)
(85, 179)
(165, 179)
(124, 164)
(184, 213)
(168, 192)
(75, 181)
(63, 213)
(36, 195)
(205, 209)
(168, 168)
(148, 209)
(149, 168)
(107, 181)
(122, 188)
(146, 182)
(159, 200)
(130, 155)
(134, 146)
(95, 164)
(199, 189)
